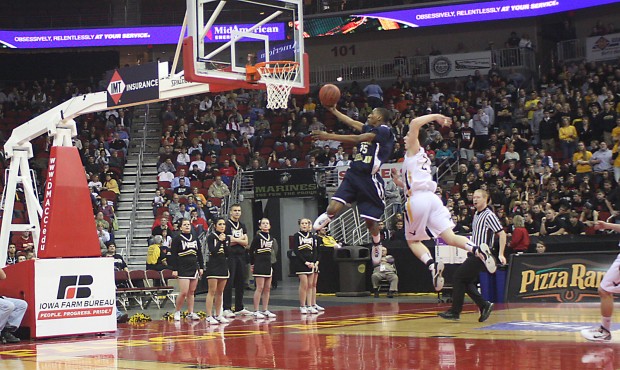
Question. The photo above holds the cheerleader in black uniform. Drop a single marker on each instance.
(187, 264)
(260, 259)
(306, 249)
(218, 245)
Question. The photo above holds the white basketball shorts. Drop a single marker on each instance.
(611, 280)
(424, 210)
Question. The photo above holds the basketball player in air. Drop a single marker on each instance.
(424, 209)
(362, 182)
(609, 286)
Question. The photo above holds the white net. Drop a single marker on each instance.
(278, 77)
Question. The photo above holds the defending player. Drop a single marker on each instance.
(362, 182)
(424, 209)
(609, 285)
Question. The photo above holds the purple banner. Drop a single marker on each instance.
(45, 39)
(478, 12)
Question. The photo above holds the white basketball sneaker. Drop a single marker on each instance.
(321, 221)
(484, 253)
(376, 254)
(258, 315)
(599, 334)
(438, 279)
(212, 321)
(312, 310)
(244, 312)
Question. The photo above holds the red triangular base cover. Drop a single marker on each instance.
(67, 225)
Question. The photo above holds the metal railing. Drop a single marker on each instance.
(571, 50)
(347, 227)
(136, 190)
(416, 66)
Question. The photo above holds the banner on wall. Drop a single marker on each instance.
(290, 183)
(603, 47)
(459, 65)
(125, 36)
(557, 277)
(385, 171)
(482, 11)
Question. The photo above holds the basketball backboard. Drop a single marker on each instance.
(225, 37)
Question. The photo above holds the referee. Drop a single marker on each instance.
(484, 228)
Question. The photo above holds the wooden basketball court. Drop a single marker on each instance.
(390, 334)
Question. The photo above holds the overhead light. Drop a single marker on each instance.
(339, 79)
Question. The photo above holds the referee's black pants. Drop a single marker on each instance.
(236, 267)
(464, 281)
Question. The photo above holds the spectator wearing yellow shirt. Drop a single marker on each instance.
(581, 160)
(568, 138)
(615, 133)
(310, 106)
(111, 184)
(531, 105)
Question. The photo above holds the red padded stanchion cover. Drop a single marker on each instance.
(67, 226)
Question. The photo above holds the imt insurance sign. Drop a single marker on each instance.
(74, 296)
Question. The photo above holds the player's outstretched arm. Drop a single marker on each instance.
(354, 139)
(417, 123)
(602, 225)
(346, 119)
(423, 120)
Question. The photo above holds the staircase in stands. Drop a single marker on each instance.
(134, 210)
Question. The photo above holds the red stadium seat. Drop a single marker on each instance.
(226, 151)
(216, 201)
(161, 210)
(165, 184)
(109, 195)
(242, 151)
(207, 183)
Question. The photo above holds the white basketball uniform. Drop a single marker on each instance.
(611, 280)
(423, 208)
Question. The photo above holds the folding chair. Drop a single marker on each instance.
(127, 293)
(141, 292)
(170, 281)
(157, 292)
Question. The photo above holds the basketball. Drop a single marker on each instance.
(329, 95)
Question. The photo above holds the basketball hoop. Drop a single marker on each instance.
(278, 76)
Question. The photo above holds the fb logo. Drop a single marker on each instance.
(71, 287)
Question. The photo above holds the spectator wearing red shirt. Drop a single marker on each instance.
(520, 238)
(198, 222)
(163, 220)
(23, 241)
(227, 171)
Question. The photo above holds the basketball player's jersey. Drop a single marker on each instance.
(416, 173)
(370, 155)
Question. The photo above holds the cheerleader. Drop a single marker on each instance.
(187, 264)
(218, 245)
(260, 259)
(306, 250)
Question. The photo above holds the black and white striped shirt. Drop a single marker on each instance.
(484, 227)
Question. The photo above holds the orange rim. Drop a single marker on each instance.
(276, 67)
